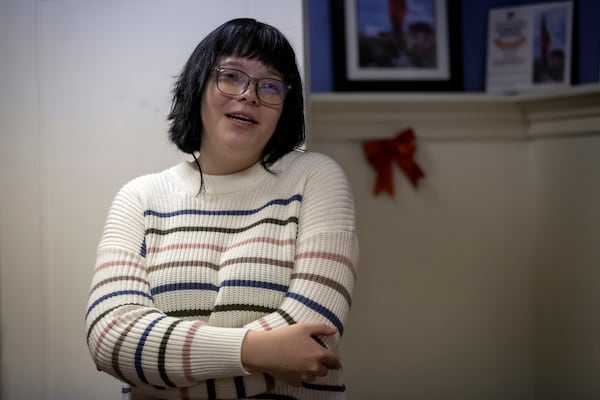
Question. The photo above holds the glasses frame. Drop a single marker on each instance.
(256, 82)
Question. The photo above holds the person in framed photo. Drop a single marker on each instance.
(549, 46)
(396, 34)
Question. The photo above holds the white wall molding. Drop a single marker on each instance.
(572, 113)
(461, 116)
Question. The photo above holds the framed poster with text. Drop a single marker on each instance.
(529, 48)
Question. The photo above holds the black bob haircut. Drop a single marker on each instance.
(246, 38)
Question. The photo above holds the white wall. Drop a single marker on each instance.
(85, 94)
(443, 308)
(21, 274)
(567, 242)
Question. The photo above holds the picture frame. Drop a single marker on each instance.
(402, 45)
(530, 48)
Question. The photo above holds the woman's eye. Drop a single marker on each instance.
(230, 75)
(271, 86)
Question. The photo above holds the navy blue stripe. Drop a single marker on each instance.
(113, 294)
(143, 248)
(211, 389)
(324, 311)
(140, 348)
(328, 388)
(240, 388)
(255, 284)
(296, 197)
(184, 286)
(272, 396)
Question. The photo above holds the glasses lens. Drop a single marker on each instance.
(271, 91)
(233, 82)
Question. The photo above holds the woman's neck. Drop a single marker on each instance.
(223, 166)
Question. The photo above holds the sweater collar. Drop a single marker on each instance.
(188, 178)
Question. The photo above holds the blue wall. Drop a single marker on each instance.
(474, 33)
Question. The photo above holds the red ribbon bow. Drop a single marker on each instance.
(381, 154)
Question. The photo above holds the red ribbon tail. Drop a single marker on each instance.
(385, 182)
(411, 170)
(375, 152)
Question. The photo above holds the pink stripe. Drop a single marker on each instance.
(102, 336)
(269, 240)
(185, 246)
(187, 350)
(114, 263)
(264, 324)
(329, 256)
(220, 248)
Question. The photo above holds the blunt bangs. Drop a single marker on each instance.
(259, 42)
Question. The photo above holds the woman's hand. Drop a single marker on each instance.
(289, 354)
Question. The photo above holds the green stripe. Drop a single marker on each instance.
(321, 342)
(242, 307)
(188, 313)
(175, 264)
(162, 350)
(273, 221)
(119, 278)
(215, 267)
(327, 282)
(288, 318)
(259, 260)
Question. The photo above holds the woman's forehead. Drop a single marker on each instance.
(244, 63)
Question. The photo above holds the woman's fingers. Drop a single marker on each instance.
(293, 354)
(323, 371)
(319, 329)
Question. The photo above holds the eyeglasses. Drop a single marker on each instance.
(233, 82)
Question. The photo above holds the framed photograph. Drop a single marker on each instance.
(396, 45)
(530, 47)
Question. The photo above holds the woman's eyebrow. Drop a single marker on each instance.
(239, 65)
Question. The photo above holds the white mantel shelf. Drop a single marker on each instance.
(460, 116)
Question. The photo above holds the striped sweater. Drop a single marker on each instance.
(182, 275)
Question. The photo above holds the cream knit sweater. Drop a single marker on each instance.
(182, 275)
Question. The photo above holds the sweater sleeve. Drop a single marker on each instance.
(324, 271)
(129, 338)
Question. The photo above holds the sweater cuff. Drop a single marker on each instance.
(218, 352)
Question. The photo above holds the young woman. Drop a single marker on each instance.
(229, 276)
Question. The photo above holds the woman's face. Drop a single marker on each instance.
(236, 127)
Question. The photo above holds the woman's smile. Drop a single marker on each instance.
(242, 118)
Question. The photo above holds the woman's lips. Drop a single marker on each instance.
(242, 118)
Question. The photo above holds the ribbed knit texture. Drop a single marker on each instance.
(183, 274)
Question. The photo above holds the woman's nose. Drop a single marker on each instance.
(251, 92)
